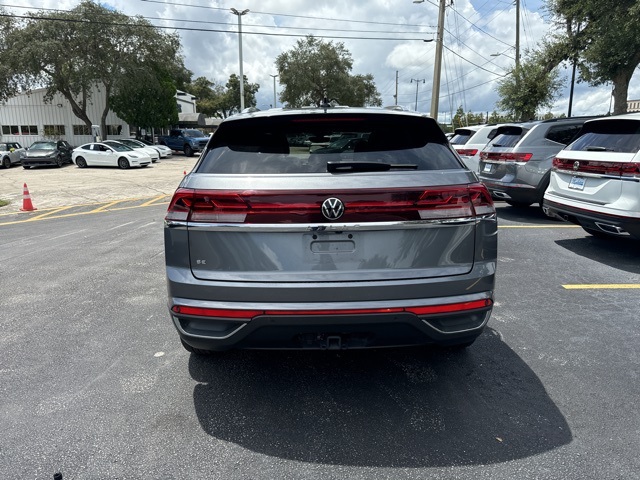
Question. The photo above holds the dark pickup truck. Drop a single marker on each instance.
(185, 140)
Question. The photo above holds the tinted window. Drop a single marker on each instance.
(612, 135)
(306, 143)
(461, 137)
(508, 136)
(563, 134)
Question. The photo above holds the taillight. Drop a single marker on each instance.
(468, 152)
(273, 207)
(420, 311)
(625, 169)
(506, 156)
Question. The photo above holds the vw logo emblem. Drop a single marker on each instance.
(332, 208)
(576, 166)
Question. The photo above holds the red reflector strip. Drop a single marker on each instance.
(249, 314)
(625, 169)
(216, 312)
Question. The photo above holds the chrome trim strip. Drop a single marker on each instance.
(482, 325)
(206, 337)
(334, 227)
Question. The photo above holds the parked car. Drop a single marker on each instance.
(470, 151)
(47, 152)
(595, 181)
(113, 154)
(163, 150)
(187, 140)
(462, 135)
(10, 153)
(273, 246)
(516, 165)
(138, 146)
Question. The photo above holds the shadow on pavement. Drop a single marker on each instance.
(619, 253)
(387, 408)
(527, 215)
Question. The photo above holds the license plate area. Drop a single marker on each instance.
(577, 183)
(487, 168)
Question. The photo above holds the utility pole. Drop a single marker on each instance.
(274, 90)
(517, 34)
(396, 95)
(435, 93)
(417, 83)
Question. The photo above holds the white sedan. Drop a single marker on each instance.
(137, 146)
(163, 150)
(112, 155)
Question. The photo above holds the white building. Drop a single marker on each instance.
(26, 118)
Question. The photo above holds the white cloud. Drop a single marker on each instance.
(475, 30)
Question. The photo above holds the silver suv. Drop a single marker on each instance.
(272, 244)
(516, 165)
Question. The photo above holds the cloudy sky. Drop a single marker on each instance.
(385, 38)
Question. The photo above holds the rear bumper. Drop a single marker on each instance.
(517, 192)
(612, 224)
(339, 331)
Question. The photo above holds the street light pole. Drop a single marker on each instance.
(274, 89)
(240, 14)
(417, 83)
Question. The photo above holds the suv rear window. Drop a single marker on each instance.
(307, 143)
(462, 136)
(610, 136)
(508, 136)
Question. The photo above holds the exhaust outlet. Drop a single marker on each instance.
(610, 229)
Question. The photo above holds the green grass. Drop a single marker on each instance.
(4, 203)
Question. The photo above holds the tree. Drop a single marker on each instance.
(604, 37)
(71, 52)
(315, 69)
(232, 100)
(528, 87)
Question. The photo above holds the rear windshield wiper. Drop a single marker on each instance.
(595, 148)
(349, 167)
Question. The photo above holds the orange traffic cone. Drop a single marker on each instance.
(27, 205)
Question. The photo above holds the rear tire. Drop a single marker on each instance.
(59, 162)
(123, 163)
(6, 162)
(81, 162)
(188, 151)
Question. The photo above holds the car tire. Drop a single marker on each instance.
(123, 163)
(188, 151)
(517, 204)
(6, 162)
(81, 162)
(59, 161)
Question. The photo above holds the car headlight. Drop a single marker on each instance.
(133, 155)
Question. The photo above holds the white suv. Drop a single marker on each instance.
(595, 181)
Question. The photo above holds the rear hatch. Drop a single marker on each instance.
(497, 159)
(596, 166)
(262, 206)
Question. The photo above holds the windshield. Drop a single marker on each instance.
(118, 147)
(43, 146)
(194, 133)
(132, 143)
(508, 136)
(461, 137)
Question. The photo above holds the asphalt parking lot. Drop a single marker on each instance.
(51, 187)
